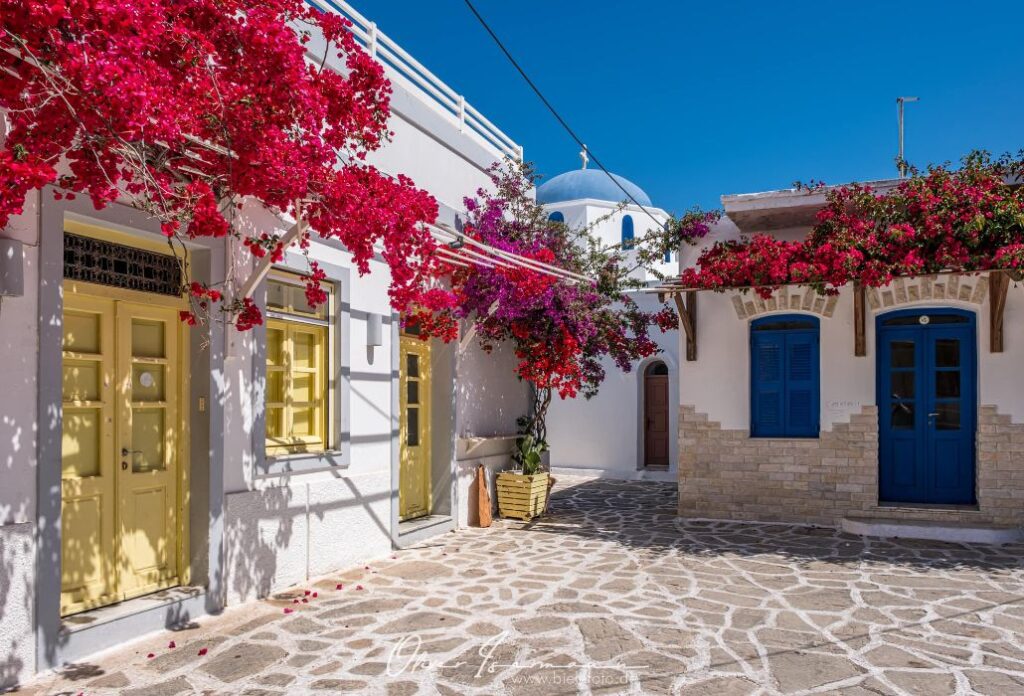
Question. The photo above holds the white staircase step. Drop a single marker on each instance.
(934, 531)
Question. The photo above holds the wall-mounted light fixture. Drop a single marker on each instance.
(12, 271)
(374, 330)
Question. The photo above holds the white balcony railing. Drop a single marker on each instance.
(415, 74)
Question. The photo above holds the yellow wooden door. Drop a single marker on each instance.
(121, 448)
(414, 429)
(148, 382)
(88, 469)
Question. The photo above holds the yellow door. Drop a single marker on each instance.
(148, 380)
(414, 429)
(88, 468)
(121, 449)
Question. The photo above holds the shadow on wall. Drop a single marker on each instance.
(18, 432)
(251, 547)
(14, 550)
(274, 537)
(490, 395)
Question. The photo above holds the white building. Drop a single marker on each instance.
(222, 472)
(894, 411)
(628, 429)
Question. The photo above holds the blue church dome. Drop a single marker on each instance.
(588, 183)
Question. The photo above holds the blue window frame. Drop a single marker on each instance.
(556, 217)
(627, 232)
(785, 372)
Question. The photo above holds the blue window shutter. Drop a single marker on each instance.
(802, 373)
(768, 384)
(627, 232)
(784, 377)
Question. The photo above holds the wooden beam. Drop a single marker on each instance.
(691, 340)
(998, 283)
(688, 318)
(860, 343)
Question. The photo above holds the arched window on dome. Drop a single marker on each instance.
(627, 232)
(556, 217)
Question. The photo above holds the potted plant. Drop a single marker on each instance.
(523, 491)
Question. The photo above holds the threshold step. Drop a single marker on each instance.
(416, 530)
(932, 531)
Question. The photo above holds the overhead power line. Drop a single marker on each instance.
(554, 112)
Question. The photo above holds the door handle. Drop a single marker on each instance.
(125, 451)
(933, 415)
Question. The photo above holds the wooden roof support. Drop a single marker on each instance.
(998, 283)
(860, 342)
(688, 318)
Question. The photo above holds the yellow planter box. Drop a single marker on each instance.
(520, 496)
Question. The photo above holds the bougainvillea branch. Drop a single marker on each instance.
(560, 329)
(966, 220)
(185, 109)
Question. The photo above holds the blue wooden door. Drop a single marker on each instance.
(927, 371)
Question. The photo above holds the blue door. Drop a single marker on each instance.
(927, 377)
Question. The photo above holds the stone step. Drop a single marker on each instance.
(956, 532)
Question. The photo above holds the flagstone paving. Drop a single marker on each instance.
(609, 594)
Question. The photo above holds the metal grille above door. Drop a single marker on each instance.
(120, 266)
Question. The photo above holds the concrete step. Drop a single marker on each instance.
(956, 532)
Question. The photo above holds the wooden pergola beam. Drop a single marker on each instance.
(998, 283)
(688, 318)
(860, 343)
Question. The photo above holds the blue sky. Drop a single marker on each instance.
(693, 100)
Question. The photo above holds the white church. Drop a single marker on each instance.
(628, 430)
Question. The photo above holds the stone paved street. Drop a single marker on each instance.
(611, 593)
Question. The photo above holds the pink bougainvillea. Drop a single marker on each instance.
(185, 108)
(969, 219)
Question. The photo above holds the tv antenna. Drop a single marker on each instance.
(900, 162)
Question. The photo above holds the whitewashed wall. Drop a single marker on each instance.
(604, 435)
(282, 529)
(18, 427)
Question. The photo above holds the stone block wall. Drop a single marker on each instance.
(726, 474)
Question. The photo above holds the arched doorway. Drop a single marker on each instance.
(656, 416)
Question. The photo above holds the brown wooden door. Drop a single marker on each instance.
(656, 420)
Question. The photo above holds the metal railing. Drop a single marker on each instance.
(453, 105)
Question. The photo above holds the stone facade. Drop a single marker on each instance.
(726, 474)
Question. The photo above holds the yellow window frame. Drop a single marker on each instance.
(284, 375)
